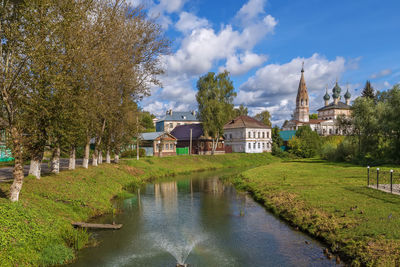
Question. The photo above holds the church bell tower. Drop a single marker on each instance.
(302, 110)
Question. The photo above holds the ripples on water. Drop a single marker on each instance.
(196, 219)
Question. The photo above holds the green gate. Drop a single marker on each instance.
(5, 154)
(182, 151)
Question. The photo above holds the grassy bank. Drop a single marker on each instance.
(331, 202)
(37, 230)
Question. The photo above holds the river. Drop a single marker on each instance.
(199, 220)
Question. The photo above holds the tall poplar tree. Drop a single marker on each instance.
(215, 103)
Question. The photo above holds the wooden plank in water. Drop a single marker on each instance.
(97, 225)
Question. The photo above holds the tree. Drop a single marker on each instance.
(215, 104)
(242, 110)
(306, 143)
(368, 91)
(146, 121)
(313, 116)
(264, 117)
(277, 141)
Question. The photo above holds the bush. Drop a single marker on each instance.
(306, 143)
(132, 153)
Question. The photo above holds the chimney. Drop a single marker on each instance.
(169, 112)
(194, 112)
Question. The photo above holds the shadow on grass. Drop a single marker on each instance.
(375, 194)
(3, 194)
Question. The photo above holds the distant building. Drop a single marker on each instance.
(248, 135)
(201, 144)
(286, 136)
(175, 118)
(326, 124)
(158, 144)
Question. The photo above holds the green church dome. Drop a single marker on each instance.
(336, 90)
(347, 95)
(327, 96)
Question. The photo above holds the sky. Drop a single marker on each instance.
(262, 43)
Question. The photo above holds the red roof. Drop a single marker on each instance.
(245, 122)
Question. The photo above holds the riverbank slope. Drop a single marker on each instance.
(37, 230)
(330, 201)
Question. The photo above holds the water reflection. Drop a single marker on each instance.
(199, 220)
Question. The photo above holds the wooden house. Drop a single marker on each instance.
(158, 144)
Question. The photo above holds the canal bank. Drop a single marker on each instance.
(331, 202)
(37, 230)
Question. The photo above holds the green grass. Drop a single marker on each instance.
(37, 230)
(331, 202)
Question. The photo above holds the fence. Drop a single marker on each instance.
(182, 151)
(388, 181)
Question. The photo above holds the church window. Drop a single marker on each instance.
(263, 145)
(254, 145)
(258, 134)
(249, 134)
(254, 134)
(259, 145)
(302, 102)
(267, 134)
(249, 145)
(306, 102)
(263, 135)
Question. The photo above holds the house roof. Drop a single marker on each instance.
(152, 136)
(179, 116)
(245, 122)
(287, 135)
(339, 105)
(182, 132)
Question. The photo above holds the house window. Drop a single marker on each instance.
(259, 146)
(263, 145)
(254, 145)
(209, 145)
(268, 145)
(202, 144)
(267, 134)
(330, 131)
(254, 134)
(178, 124)
(263, 134)
(259, 135)
(171, 125)
(219, 145)
(249, 134)
(230, 136)
(249, 145)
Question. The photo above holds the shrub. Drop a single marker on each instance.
(306, 143)
(132, 153)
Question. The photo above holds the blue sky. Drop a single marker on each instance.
(263, 43)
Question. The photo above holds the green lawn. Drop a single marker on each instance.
(331, 202)
(37, 230)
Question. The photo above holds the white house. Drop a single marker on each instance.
(248, 135)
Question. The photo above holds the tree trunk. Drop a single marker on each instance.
(18, 172)
(85, 163)
(72, 158)
(108, 158)
(36, 164)
(116, 158)
(55, 160)
(94, 157)
(100, 159)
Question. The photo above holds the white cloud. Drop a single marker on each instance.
(242, 63)
(133, 3)
(188, 22)
(250, 11)
(162, 10)
(275, 83)
(381, 74)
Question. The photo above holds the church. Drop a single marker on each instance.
(326, 124)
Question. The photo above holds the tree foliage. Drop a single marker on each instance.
(368, 91)
(215, 103)
(306, 143)
(71, 72)
(264, 117)
(240, 111)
